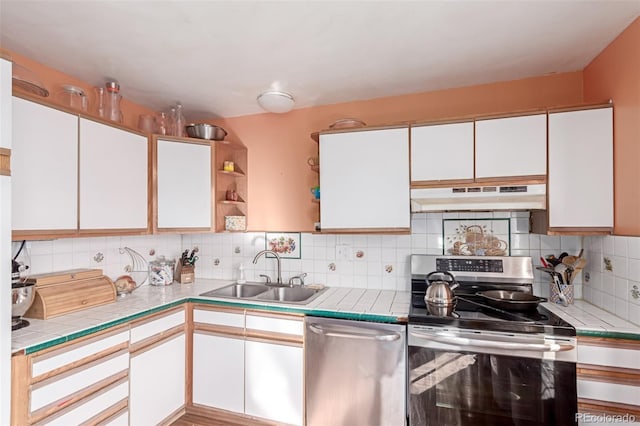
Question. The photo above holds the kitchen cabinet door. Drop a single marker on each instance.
(157, 381)
(511, 147)
(218, 372)
(113, 178)
(442, 152)
(364, 181)
(273, 381)
(184, 185)
(580, 181)
(44, 163)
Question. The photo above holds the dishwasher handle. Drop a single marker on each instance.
(359, 334)
(492, 344)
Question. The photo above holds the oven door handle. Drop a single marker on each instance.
(492, 344)
(356, 334)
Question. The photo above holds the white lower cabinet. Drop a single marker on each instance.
(157, 379)
(249, 363)
(274, 381)
(608, 379)
(218, 365)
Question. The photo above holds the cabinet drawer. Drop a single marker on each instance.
(48, 362)
(616, 357)
(229, 319)
(614, 392)
(86, 409)
(275, 324)
(157, 326)
(58, 387)
(119, 419)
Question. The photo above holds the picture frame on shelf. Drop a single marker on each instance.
(286, 244)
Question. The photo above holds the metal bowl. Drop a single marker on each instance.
(206, 131)
(21, 298)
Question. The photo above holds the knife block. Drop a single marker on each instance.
(185, 274)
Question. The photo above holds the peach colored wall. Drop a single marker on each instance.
(615, 74)
(279, 178)
(53, 80)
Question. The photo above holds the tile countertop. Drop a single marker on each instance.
(347, 303)
(589, 320)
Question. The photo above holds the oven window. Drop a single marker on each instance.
(466, 388)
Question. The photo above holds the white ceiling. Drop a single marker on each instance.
(216, 56)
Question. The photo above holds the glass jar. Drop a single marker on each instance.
(112, 103)
(161, 271)
(180, 122)
(73, 97)
(99, 108)
(162, 124)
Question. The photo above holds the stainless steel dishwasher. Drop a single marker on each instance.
(355, 373)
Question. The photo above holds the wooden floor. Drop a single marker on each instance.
(190, 419)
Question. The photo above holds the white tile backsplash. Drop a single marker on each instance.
(611, 290)
(608, 290)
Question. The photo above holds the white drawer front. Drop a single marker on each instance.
(611, 392)
(157, 326)
(121, 419)
(218, 318)
(86, 410)
(599, 355)
(66, 356)
(69, 384)
(276, 325)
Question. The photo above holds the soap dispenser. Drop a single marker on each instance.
(241, 279)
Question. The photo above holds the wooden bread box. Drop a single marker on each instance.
(64, 292)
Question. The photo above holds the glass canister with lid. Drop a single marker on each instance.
(112, 102)
(161, 271)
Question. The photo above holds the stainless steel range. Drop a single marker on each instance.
(488, 365)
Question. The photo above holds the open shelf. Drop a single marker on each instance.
(227, 180)
(234, 173)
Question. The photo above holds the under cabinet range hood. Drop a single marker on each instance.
(513, 197)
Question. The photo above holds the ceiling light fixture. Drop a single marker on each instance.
(276, 101)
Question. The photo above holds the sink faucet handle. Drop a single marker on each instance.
(267, 277)
(298, 277)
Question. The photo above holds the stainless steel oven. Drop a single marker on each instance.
(487, 366)
(463, 377)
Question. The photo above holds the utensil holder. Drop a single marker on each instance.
(567, 290)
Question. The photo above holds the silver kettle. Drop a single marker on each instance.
(439, 296)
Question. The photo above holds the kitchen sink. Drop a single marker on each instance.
(260, 292)
(237, 291)
(288, 294)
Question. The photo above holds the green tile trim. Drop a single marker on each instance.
(301, 310)
(609, 334)
(100, 327)
(286, 309)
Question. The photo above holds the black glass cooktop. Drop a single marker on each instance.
(471, 312)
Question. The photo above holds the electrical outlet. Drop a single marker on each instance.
(343, 252)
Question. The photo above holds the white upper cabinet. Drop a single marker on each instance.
(511, 147)
(581, 169)
(184, 184)
(364, 180)
(442, 152)
(44, 165)
(113, 178)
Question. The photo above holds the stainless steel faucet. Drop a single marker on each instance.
(260, 253)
